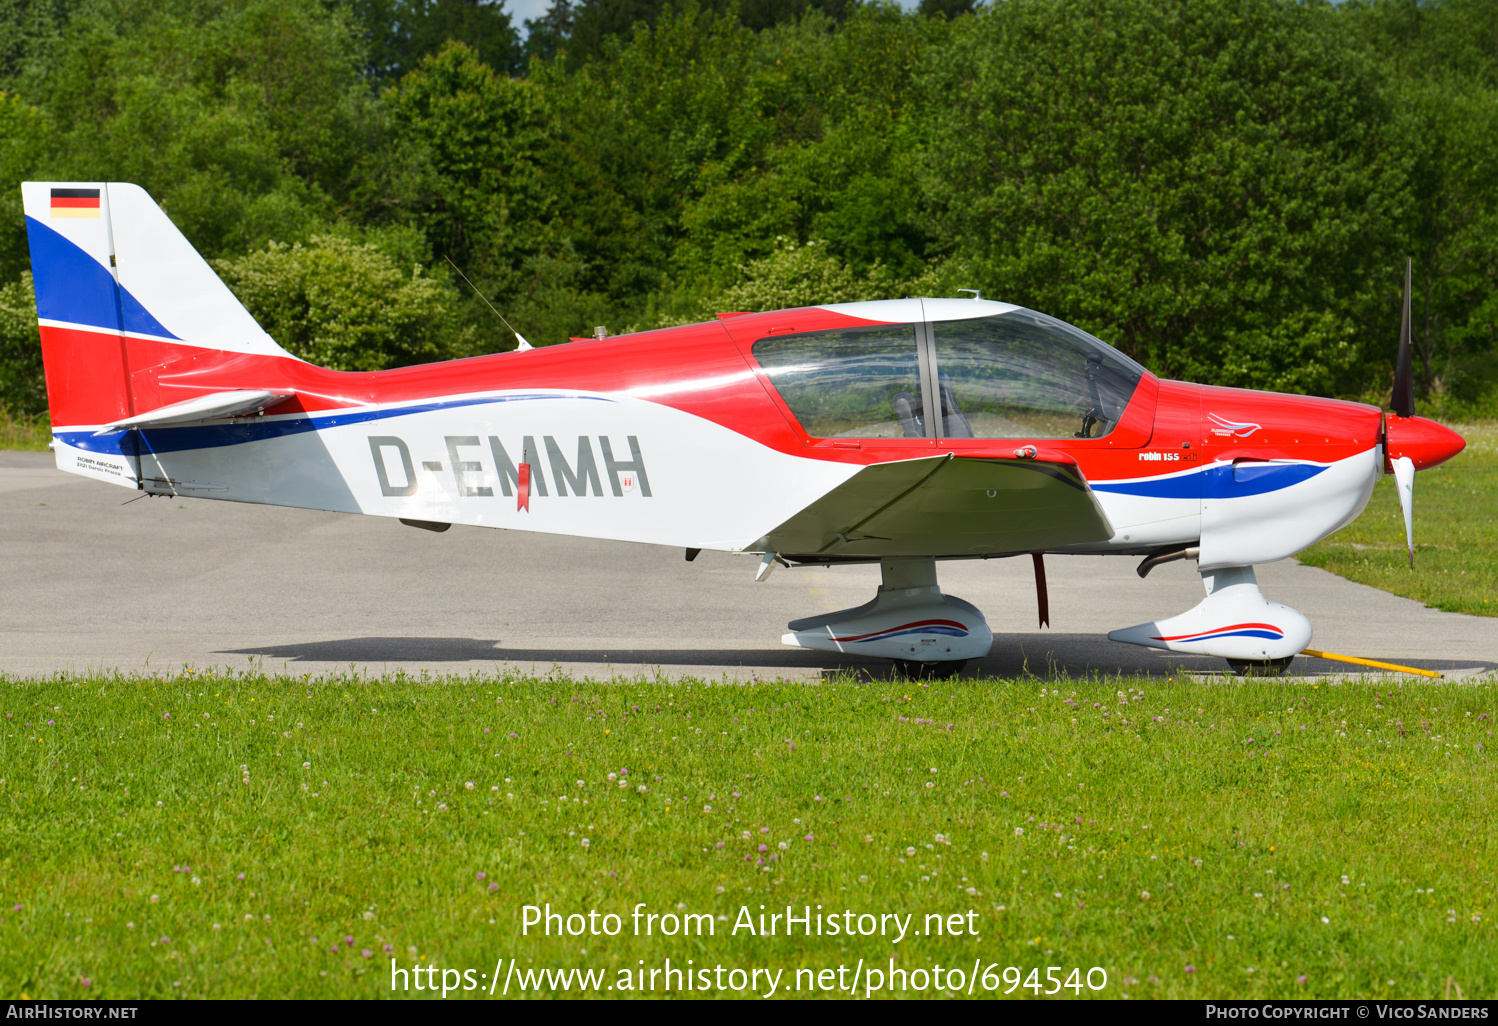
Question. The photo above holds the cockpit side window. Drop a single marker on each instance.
(850, 382)
(1024, 375)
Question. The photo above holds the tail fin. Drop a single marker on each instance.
(121, 297)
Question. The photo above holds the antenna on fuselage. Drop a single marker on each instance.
(977, 293)
(518, 337)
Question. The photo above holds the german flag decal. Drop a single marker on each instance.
(75, 202)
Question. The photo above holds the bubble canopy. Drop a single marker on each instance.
(1017, 374)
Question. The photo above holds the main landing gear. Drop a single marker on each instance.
(930, 636)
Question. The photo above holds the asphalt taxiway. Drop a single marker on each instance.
(93, 581)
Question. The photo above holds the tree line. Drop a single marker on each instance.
(1224, 189)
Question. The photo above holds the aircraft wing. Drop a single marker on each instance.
(946, 506)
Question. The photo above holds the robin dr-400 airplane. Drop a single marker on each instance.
(901, 432)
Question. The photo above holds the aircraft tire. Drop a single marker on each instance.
(1260, 667)
(912, 670)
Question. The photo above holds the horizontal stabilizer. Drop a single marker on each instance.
(241, 402)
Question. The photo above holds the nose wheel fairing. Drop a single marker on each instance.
(1235, 621)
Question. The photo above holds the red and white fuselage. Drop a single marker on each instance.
(682, 436)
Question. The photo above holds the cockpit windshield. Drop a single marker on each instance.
(1025, 375)
(1018, 374)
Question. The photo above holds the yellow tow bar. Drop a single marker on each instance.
(1369, 662)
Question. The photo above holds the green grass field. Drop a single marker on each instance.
(214, 835)
(1456, 534)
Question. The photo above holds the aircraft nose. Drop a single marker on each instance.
(1426, 443)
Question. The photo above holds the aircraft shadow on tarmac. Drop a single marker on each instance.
(1042, 656)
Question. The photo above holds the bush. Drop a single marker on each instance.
(796, 275)
(345, 305)
(22, 388)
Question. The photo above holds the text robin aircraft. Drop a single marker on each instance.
(901, 432)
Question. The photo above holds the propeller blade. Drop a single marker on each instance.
(1403, 400)
(1404, 480)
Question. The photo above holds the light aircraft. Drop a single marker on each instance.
(902, 432)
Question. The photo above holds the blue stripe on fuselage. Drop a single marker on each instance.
(1224, 481)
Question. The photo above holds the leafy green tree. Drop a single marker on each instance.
(22, 388)
(1212, 185)
(1442, 59)
(28, 28)
(547, 35)
(344, 305)
(24, 130)
(827, 158)
(801, 275)
(246, 120)
(585, 29)
(947, 8)
(399, 33)
(473, 143)
(1225, 188)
